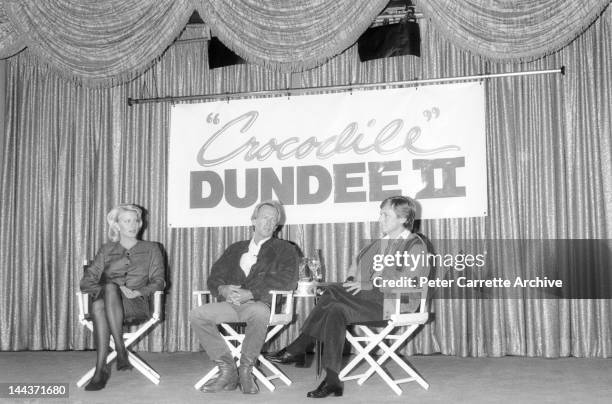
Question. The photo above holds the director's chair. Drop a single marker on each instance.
(234, 339)
(129, 337)
(371, 339)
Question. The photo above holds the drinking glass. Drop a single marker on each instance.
(303, 271)
(314, 264)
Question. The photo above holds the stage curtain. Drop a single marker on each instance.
(70, 153)
(289, 35)
(510, 30)
(98, 42)
(9, 43)
(104, 43)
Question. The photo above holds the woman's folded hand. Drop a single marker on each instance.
(129, 293)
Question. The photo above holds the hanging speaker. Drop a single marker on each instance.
(220, 55)
(386, 41)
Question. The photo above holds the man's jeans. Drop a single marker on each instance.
(204, 320)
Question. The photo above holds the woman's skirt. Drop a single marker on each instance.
(135, 310)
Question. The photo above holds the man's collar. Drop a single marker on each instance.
(258, 245)
(403, 235)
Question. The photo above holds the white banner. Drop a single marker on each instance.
(329, 157)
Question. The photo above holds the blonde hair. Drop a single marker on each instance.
(113, 216)
(276, 205)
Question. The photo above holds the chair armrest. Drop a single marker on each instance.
(83, 303)
(409, 318)
(199, 296)
(274, 293)
(157, 304)
(286, 310)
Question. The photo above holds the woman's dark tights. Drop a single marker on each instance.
(108, 320)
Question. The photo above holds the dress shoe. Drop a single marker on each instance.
(245, 374)
(325, 390)
(283, 356)
(226, 380)
(123, 363)
(95, 385)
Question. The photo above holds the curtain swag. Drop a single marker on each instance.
(98, 43)
(107, 42)
(289, 35)
(9, 41)
(512, 30)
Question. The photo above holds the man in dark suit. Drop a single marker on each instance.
(241, 280)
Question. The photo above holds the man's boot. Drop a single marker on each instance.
(245, 373)
(227, 378)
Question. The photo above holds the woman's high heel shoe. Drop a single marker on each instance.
(99, 384)
(123, 363)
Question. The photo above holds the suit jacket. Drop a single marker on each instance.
(140, 268)
(276, 269)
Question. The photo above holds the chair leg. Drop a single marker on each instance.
(86, 377)
(143, 368)
(390, 351)
(412, 372)
(375, 367)
(407, 368)
(206, 378)
(263, 379)
(371, 341)
(135, 360)
(380, 342)
(277, 373)
(343, 375)
(363, 352)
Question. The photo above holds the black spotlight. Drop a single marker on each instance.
(220, 55)
(388, 40)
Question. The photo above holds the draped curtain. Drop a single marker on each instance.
(289, 35)
(70, 153)
(9, 41)
(100, 42)
(512, 29)
(107, 42)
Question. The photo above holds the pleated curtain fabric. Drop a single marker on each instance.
(106, 42)
(97, 43)
(103, 43)
(10, 43)
(69, 153)
(512, 29)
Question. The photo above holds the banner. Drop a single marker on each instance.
(329, 157)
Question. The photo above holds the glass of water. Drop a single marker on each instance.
(314, 264)
(303, 269)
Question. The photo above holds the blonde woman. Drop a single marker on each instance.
(123, 274)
